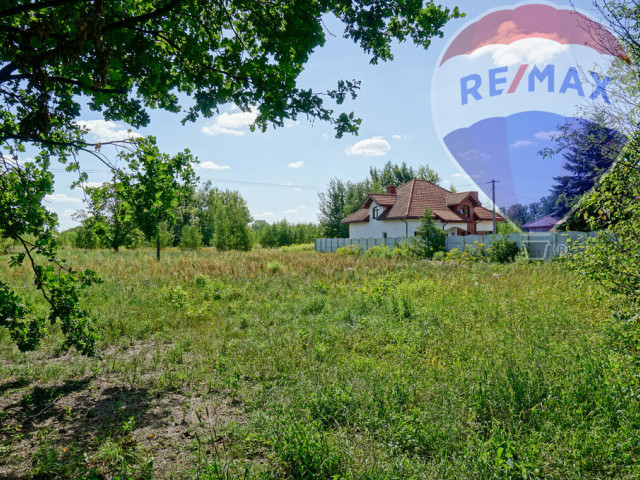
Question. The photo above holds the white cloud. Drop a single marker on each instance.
(521, 143)
(369, 147)
(61, 197)
(399, 137)
(264, 216)
(457, 175)
(547, 135)
(534, 51)
(213, 166)
(288, 123)
(91, 184)
(473, 154)
(106, 131)
(296, 164)
(295, 210)
(236, 124)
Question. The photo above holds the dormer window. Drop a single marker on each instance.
(464, 211)
(376, 212)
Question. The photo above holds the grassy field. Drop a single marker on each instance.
(302, 365)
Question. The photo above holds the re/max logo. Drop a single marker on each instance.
(470, 85)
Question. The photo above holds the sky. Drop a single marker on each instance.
(281, 172)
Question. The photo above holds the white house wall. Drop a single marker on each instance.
(485, 226)
(393, 228)
(377, 228)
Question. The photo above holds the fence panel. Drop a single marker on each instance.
(538, 245)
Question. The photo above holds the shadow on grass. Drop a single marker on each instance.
(5, 387)
(76, 415)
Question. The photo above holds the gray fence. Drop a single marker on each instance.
(539, 246)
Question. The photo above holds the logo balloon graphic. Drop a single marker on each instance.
(505, 83)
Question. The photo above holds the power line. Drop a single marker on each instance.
(220, 180)
(264, 184)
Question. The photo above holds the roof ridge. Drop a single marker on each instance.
(411, 196)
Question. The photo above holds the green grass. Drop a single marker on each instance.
(275, 364)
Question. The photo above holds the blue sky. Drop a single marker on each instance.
(394, 104)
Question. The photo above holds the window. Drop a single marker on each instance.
(464, 211)
(376, 212)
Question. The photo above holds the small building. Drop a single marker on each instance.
(543, 224)
(398, 212)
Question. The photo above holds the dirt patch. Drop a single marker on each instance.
(84, 413)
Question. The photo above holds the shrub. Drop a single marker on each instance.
(472, 254)
(401, 251)
(439, 256)
(349, 250)
(214, 289)
(201, 281)
(275, 267)
(414, 247)
(503, 250)
(379, 252)
(176, 295)
(191, 238)
(432, 237)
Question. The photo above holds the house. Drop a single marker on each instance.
(543, 224)
(398, 212)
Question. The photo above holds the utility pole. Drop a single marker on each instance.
(493, 200)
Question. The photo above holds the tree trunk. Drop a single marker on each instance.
(158, 247)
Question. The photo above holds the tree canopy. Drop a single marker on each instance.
(127, 56)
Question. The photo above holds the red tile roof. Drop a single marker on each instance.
(361, 215)
(448, 215)
(412, 199)
(453, 199)
(382, 199)
(486, 214)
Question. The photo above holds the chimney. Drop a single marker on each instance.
(391, 189)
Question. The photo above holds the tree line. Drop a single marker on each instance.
(208, 217)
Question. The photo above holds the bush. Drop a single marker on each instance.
(414, 247)
(472, 254)
(402, 251)
(432, 237)
(349, 250)
(503, 250)
(191, 238)
(201, 281)
(275, 267)
(439, 256)
(378, 252)
(214, 289)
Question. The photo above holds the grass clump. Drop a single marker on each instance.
(275, 267)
